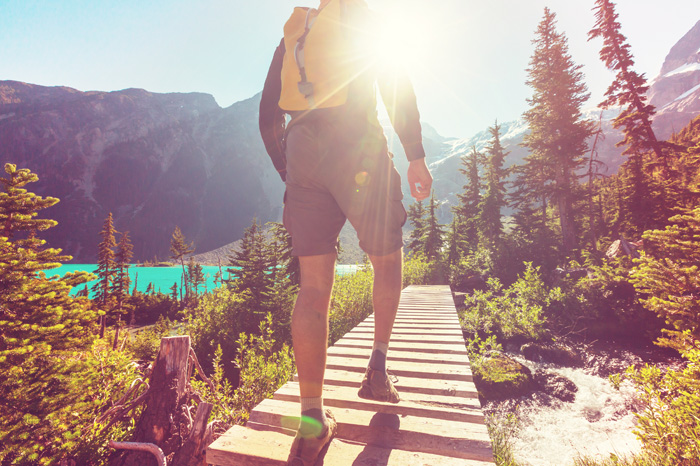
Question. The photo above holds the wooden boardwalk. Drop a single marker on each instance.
(438, 421)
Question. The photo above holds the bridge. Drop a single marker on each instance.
(438, 422)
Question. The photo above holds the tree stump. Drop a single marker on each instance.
(165, 417)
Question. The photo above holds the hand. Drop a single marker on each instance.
(419, 179)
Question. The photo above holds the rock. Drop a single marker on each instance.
(556, 385)
(499, 377)
(553, 353)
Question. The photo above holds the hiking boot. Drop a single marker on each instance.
(378, 387)
(307, 450)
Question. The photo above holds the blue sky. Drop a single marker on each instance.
(468, 66)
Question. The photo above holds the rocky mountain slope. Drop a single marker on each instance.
(154, 160)
(676, 91)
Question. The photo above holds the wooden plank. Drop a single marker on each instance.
(394, 355)
(276, 446)
(454, 388)
(337, 395)
(391, 428)
(438, 421)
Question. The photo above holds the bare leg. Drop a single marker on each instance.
(386, 293)
(310, 322)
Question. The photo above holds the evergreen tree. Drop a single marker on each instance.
(493, 200)
(558, 134)
(281, 253)
(41, 324)
(645, 206)
(252, 272)
(122, 281)
(106, 271)
(416, 216)
(433, 235)
(453, 242)
(465, 231)
(668, 276)
(195, 277)
(629, 88)
(178, 250)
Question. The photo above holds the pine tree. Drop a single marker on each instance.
(195, 276)
(645, 205)
(416, 216)
(178, 250)
(453, 242)
(493, 200)
(558, 134)
(466, 232)
(252, 272)
(106, 271)
(281, 253)
(122, 281)
(41, 325)
(433, 235)
(668, 275)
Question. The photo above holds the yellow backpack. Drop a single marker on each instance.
(321, 57)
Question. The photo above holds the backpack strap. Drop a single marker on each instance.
(305, 87)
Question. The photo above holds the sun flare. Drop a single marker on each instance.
(397, 37)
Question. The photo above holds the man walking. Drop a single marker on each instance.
(318, 120)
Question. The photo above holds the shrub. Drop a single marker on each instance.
(502, 430)
(419, 270)
(76, 429)
(517, 311)
(146, 343)
(351, 302)
(669, 425)
(263, 371)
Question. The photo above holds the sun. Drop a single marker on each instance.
(398, 38)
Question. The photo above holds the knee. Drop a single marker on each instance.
(388, 263)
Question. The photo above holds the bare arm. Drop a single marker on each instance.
(419, 179)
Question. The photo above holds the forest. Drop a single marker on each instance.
(74, 370)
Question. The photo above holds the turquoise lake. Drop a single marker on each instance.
(162, 278)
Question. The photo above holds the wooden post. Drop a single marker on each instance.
(193, 451)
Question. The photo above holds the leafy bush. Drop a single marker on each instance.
(669, 425)
(146, 343)
(75, 427)
(148, 308)
(217, 321)
(351, 302)
(502, 430)
(263, 371)
(604, 303)
(517, 311)
(419, 270)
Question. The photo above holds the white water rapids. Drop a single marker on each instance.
(598, 423)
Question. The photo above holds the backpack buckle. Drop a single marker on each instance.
(306, 88)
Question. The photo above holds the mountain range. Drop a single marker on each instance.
(157, 161)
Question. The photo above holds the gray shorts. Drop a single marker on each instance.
(337, 171)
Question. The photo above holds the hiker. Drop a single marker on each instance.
(318, 120)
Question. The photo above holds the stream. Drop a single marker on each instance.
(600, 419)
